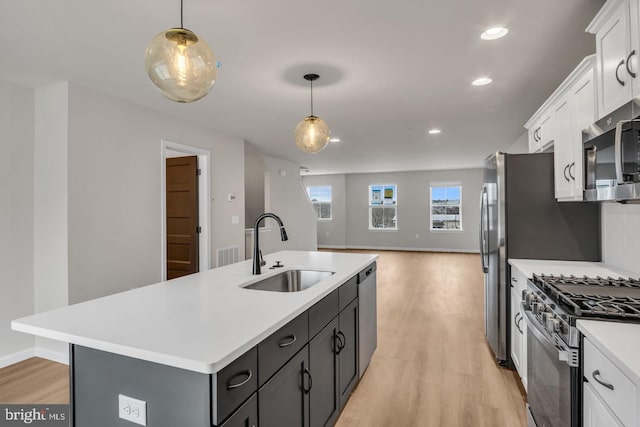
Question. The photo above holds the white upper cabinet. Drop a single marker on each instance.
(562, 118)
(617, 31)
(541, 130)
(563, 150)
(575, 112)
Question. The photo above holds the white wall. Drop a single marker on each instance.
(115, 166)
(413, 211)
(332, 234)
(16, 217)
(620, 235)
(50, 220)
(285, 197)
(254, 189)
(521, 146)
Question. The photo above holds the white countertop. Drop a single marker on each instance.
(200, 322)
(619, 342)
(529, 267)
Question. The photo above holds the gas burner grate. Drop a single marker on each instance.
(593, 300)
(624, 307)
(619, 282)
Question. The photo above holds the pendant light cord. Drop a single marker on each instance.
(181, 14)
(311, 81)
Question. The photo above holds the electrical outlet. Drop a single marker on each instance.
(235, 219)
(133, 410)
(417, 236)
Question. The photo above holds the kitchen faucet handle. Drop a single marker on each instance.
(262, 261)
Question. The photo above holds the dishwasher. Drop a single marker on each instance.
(367, 317)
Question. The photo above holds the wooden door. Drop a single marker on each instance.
(182, 216)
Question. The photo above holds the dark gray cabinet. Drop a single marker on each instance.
(234, 384)
(299, 376)
(246, 415)
(348, 354)
(284, 399)
(280, 346)
(323, 364)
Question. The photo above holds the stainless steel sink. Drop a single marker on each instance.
(291, 281)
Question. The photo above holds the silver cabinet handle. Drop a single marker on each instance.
(595, 376)
(291, 339)
(248, 373)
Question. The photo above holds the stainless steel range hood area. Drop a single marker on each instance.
(612, 156)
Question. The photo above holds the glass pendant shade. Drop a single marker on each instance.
(180, 65)
(312, 134)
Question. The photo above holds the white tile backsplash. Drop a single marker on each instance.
(621, 235)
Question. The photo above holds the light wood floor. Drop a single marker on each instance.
(432, 366)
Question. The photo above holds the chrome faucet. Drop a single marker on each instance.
(257, 255)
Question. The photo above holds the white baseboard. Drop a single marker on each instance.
(23, 355)
(332, 247)
(54, 356)
(392, 248)
(17, 357)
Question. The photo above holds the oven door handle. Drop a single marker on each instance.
(563, 354)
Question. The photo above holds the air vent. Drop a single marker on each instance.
(228, 255)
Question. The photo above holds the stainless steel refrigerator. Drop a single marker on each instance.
(520, 219)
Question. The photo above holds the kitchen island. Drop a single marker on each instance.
(203, 350)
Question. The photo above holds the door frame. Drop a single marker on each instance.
(204, 195)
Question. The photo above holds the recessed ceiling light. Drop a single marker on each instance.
(481, 81)
(434, 131)
(334, 140)
(494, 33)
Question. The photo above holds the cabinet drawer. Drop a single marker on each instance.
(246, 415)
(322, 312)
(348, 292)
(594, 412)
(234, 384)
(280, 346)
(598, 370)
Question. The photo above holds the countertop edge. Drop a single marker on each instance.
(181, 362)
(584, 326)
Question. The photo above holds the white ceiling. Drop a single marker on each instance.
(389, 70)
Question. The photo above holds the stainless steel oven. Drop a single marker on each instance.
(550, 379)
(552, 305)
(553, 373)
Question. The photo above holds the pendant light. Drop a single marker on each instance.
(180, 64)
(312, 133)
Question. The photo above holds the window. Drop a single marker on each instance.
(383, 207)
(320, 197)
(446, 207)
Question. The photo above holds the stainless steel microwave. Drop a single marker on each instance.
(612, 164)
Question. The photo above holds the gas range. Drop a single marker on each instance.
(558, 301)
(552, 305)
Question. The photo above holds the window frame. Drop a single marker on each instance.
(370, 207)
(318, 203)
(431, 205)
